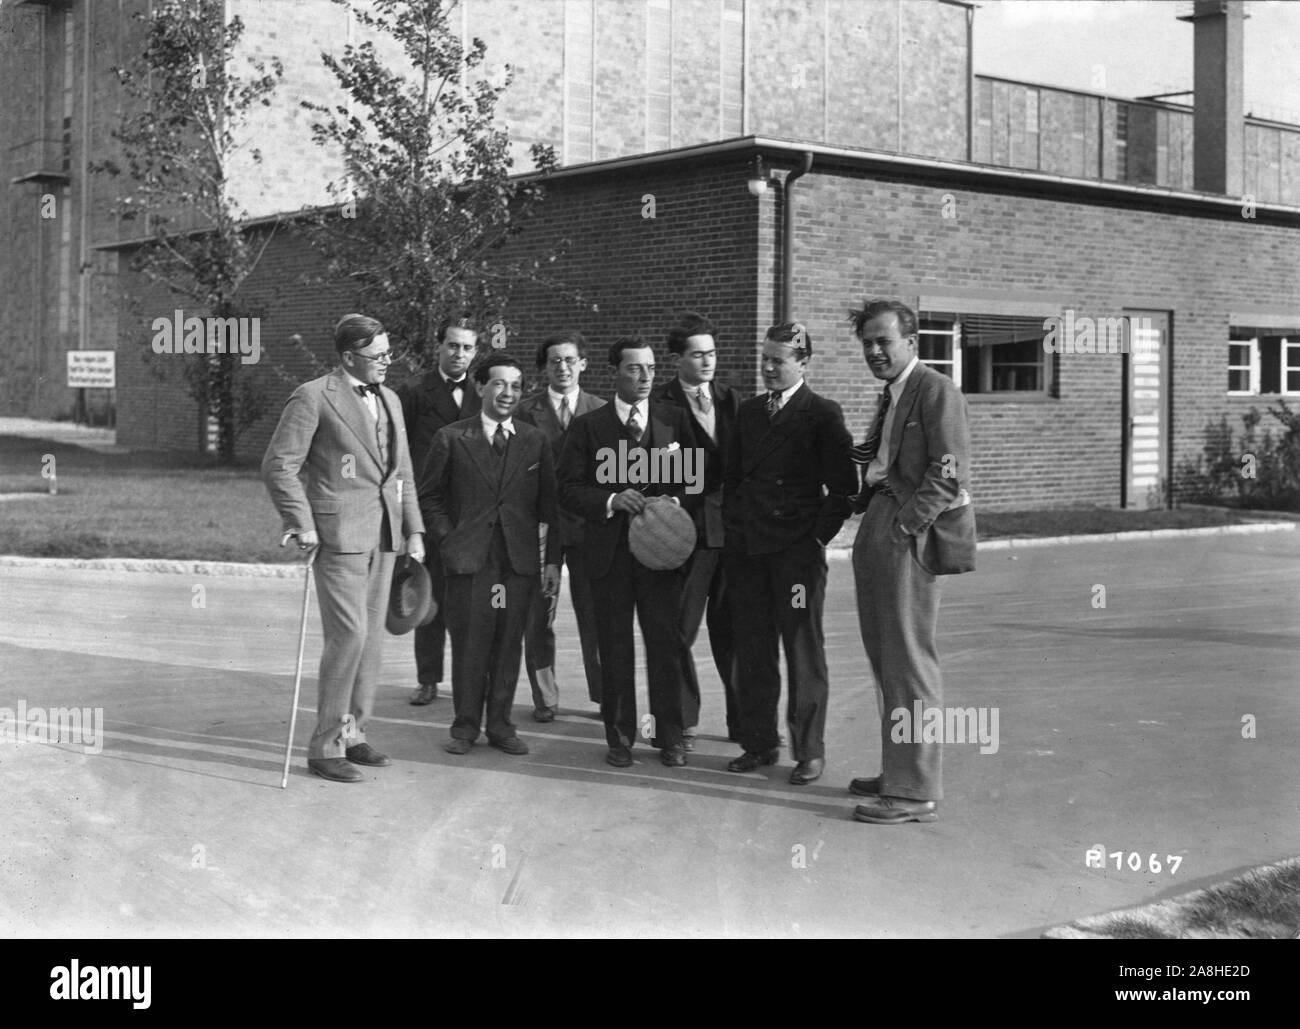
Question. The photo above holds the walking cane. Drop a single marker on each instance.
(302, 646)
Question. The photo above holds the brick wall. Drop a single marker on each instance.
(712, 247)
(861, 235)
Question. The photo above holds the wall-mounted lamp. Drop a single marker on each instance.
(759, 178)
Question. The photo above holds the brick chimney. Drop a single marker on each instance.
(1219, 125)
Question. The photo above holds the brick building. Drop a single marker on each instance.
(998, 208)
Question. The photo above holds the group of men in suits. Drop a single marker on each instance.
(497, 470)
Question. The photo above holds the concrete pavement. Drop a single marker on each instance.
(1120, 725)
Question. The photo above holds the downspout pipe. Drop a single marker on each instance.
(787, 238)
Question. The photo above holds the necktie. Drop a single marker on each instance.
(773, 403)
(634, 426)
(565, 414)
(499, 441)
(702, 399)
(865, 453)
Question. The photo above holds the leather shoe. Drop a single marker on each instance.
(866, 787)
(365, 754)
(752, 759)
(543, 714)
(425, 693)
(896, 810)
(456, 745)
(336, 769)
(807, 771)
(673, 757)
(510, 744)
(619, 757)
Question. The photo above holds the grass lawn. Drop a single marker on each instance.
(174, 505)
(155, 505)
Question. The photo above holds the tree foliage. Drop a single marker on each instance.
(426, 202)
(180, 138)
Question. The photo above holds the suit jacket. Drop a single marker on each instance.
(467, 492)
(535, 409)
(789, 477)
(427, 406)
(709, 524)
(323, 471)
(583, 492)
(929, 467)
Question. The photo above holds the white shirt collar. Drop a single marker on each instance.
(786, 394)
(555, 398)
(490, 425)
(622, 408)
(896, 387)
(462, 382)
(691, 391)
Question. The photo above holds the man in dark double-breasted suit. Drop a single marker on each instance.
(431, 401)
(713, 406)
(598, 481)
(488, 485)
(339, 472)
(786, 493)
(562, 359)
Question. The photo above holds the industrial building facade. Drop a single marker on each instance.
(1101, 276)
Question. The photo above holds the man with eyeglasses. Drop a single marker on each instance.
(339, 472)
(431, 401)
(563, 359)
(713, 405)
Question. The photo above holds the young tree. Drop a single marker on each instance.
(427, 200)
(181, 133)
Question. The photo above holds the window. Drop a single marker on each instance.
(659, 75)
(1263, 360)
(733, 68)
(1121, 142)
(578, 81)
(986, 354)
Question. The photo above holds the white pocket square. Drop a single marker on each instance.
(534, 467)
(674, 445)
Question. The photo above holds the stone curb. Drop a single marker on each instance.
(834, 552)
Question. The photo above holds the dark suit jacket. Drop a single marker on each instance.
(929, 441)
(466, 493)
(726, 404)
(535, 409)
(427, 406)
(790, 477)
(314, 486)
(586, 496)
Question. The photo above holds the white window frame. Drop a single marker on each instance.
(1251, 367)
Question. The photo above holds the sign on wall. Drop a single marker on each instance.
(92, 369)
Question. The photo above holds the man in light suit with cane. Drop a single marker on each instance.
(339, 472)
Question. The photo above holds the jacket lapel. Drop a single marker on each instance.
(779, 427)
(903, 411)
(482, 454)
(352, 410)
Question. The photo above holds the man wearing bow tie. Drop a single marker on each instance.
(339, 472)
(713, 406)
(622, 587)
(429, 402)
(786, 491)
(915, 461)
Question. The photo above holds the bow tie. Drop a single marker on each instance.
(372, 387)
(453, 384)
